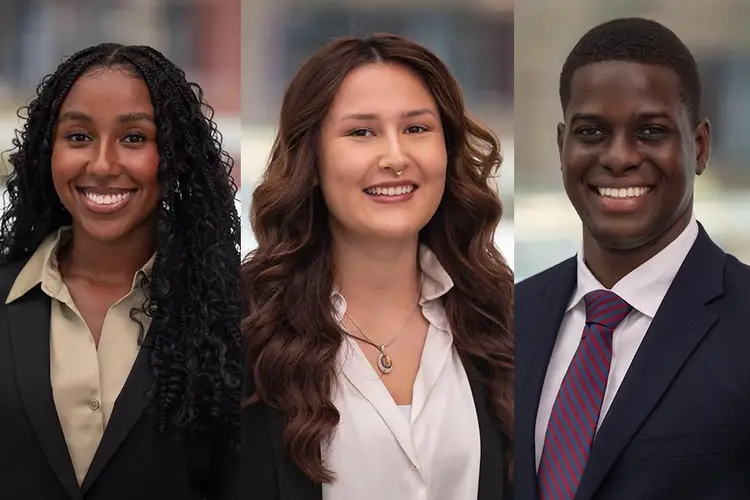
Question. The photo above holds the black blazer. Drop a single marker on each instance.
(133, 462)
(268, 473)
(679, 427)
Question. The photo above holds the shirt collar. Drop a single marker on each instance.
(42, 268)
(643, 288)
(436, 282)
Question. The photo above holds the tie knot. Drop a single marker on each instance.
(605, 308)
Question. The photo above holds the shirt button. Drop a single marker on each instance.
(94, 405)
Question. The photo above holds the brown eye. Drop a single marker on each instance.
(653, 132)
(135, 138)
(360, 132)
(76, 137)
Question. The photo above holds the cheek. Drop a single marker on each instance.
(435, 175)
(574, 162)
(341, 173)
(144, 168)
(65, 166)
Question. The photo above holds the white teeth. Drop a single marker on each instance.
(391, 191)
(106, 199)
(631, 192)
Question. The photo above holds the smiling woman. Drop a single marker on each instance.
(377, 309)
(119, 323)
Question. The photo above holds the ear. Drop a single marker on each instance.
(560, 140)
(702, 146)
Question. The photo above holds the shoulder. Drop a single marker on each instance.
(536, 284)
(9, 273)
(736, 280)
(736, 269)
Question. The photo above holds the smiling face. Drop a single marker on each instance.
(105, 157)
(629, 154)
(382, 155)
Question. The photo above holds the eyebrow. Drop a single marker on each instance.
(593, 117)
(372, 116)
(83, 117)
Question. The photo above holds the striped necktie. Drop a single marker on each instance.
(575, 414)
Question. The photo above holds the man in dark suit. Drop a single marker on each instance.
(633, 358)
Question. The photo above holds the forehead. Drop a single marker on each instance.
(381, 88)
(108, 90)
(619, 88)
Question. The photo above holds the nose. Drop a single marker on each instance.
(105, 160)
(394, 156)
(621, 154)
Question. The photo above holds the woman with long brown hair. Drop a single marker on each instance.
(377, 310)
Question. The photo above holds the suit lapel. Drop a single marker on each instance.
(129, 407)
(681, 322)
(491, 466)
(538, 325)
(28, 326)
(292, 483)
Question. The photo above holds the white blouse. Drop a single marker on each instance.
(427, 451)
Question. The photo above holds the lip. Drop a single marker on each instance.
(620, 185)
(110, 209)
(400, 198)
(621, 205)
(399, 183)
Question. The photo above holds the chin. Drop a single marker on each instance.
(620, 238)
(105, 232)
(393, 233)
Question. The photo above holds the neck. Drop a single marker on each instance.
(609, 265)
(114, 261)
(382, 274)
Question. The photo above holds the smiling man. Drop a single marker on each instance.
(633, 380)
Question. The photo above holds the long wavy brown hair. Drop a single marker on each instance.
(291, 336)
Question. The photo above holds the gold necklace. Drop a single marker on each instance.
(385, 362)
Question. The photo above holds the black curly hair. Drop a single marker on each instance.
(193, 293)
(635, 39)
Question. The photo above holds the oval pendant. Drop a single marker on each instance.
(385, 364)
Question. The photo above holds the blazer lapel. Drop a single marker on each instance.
(492, 465)
(681, 322)
(292, 483)
(129, 407)
(539, 324)
(28, 326)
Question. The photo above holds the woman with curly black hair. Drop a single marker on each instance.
(120, 350)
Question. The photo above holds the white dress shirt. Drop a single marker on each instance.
(429, 450)
(643, 288)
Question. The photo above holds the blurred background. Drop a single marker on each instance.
(547, 228)
(473, 37)
(201, 36)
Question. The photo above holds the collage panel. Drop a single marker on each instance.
(377, 196)
(631, 290)
(120, 352)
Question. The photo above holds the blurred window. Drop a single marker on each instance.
(476, 46)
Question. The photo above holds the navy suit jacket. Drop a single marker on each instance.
(679, 427)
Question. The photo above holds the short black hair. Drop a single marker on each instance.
(639, 40)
